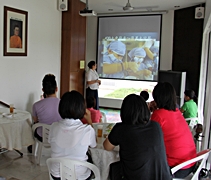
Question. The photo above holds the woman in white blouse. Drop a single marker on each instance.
(70, 138)
(93, 82)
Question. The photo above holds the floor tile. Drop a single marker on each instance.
(15, 167)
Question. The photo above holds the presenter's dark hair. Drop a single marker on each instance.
(165, 96)
(91, 64)
(49, 84)
(134, 110)
(72, 105)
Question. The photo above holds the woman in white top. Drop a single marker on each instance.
(70, 138)
(93, 82)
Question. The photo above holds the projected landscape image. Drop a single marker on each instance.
(119, 89)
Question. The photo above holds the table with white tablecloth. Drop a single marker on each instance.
(15, 129)
(102, 158)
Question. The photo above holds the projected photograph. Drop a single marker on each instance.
(128, 47)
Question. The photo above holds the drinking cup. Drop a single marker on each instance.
(99, 130)
(11, 108)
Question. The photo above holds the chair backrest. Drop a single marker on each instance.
(193, 122)
(67, 168)
(45, 131)
(203, 155)
(104, 120)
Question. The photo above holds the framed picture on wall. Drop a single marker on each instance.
(15, 32)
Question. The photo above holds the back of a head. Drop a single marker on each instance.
(49, 84)
(72, 105)
(165, 96)
(145, 95)
(90, 102)
(91, 64)
(134, 110)
(189, 93)
(118, 47)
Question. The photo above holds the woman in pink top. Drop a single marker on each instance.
(95, 114)
(178, 139)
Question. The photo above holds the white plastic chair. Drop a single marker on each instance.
(67, 168)
(203, 155)
(37, 147)
(193, 122)
(104, 120)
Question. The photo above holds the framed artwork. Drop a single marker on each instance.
(15, 32)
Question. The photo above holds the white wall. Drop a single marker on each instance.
(21, 77)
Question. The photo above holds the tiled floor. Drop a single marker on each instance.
(15, 167)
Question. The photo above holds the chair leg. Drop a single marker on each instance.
(39, 153)
(34, 148)
(19, 152)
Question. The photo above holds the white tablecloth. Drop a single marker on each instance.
(102, 158)
(15, 132)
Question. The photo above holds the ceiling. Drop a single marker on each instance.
(116, 6)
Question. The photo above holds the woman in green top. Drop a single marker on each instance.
(189, 108)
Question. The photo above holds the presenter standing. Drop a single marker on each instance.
(93, 82)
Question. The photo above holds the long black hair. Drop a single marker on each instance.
(134, 110)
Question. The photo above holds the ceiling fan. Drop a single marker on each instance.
(128, 7)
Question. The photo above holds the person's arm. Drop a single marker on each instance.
(149, 53)
(93, 82)
(107, 145)
(112, 68)
(118, 67)
(181, 110)
(152, 106)
(144, 72)
(35, 119)
(88, 118)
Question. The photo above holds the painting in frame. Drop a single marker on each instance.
(15, 32)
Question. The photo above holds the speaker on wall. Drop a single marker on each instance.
(62, 5)
(199, 13)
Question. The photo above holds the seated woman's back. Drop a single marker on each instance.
(69, 138)
(142, 150)
(178, 139)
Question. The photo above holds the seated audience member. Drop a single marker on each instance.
(152, 106)
(142, 150)
(46, 110)
(95, 114)
(178, 139)
(145, 95)
(70, 138)
(189, 108)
